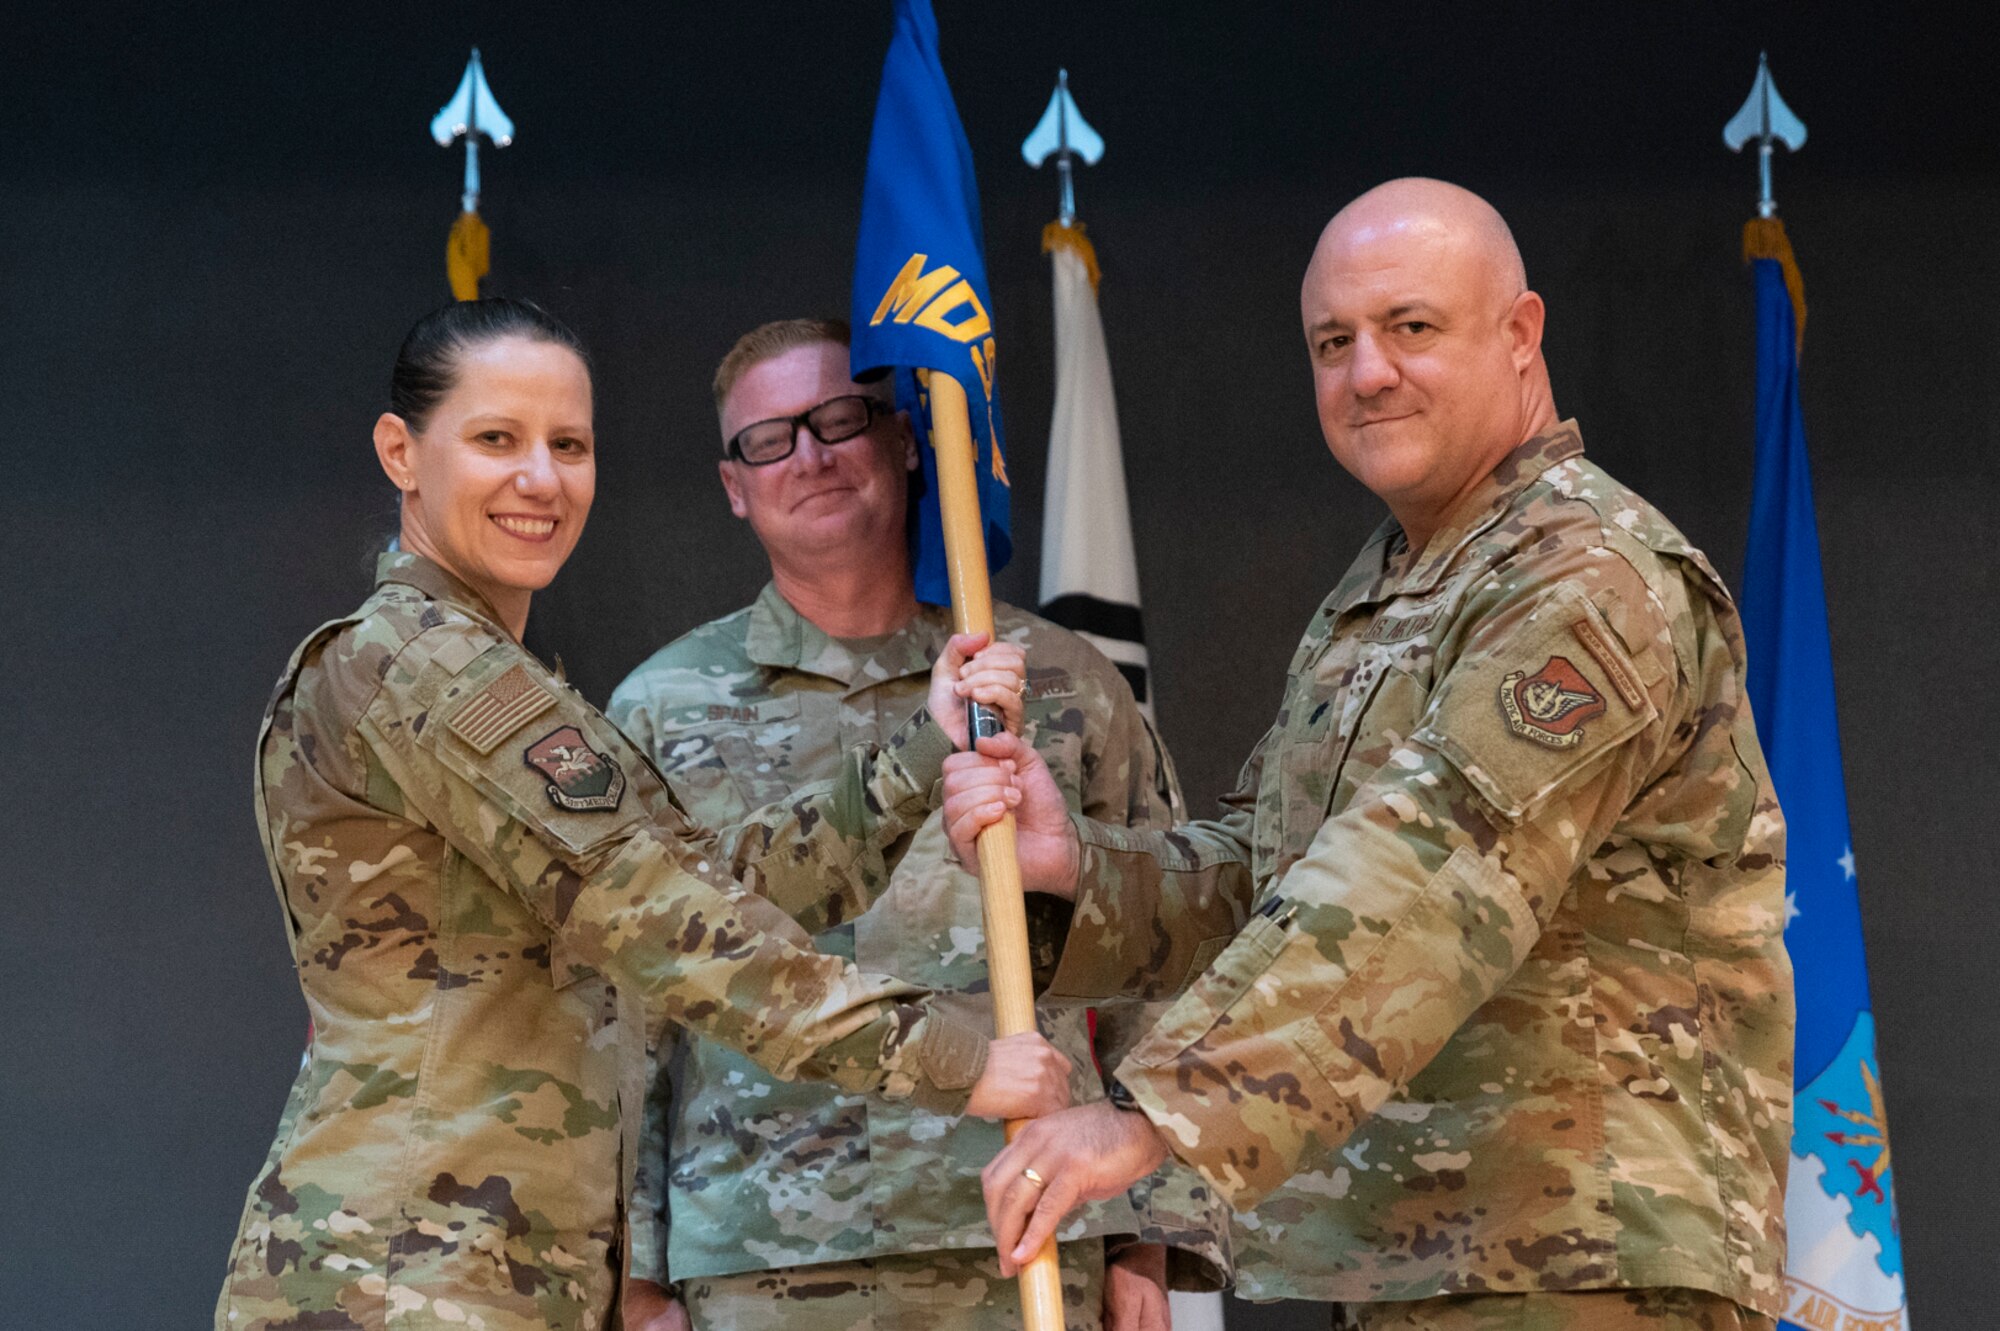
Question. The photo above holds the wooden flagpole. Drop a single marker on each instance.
(1008, 969)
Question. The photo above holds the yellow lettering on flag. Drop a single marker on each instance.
(982, 361)
(912, 289)
(915, 294)
(973, 326)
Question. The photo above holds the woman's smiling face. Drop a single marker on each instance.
(498, 482)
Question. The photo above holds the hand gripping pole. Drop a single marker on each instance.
(1007, 964)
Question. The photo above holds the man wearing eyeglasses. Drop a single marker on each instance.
(769, 1203)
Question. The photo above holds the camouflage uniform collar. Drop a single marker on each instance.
(1484, 506)
(413, 570)
(781, 638)
(1385, 567)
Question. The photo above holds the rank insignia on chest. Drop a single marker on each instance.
(580, 778)
(1551, 705)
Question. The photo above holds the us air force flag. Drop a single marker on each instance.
(920, 301)
(1090, 575)
(1846, 1255)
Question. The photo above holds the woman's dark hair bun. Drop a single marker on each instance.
(427, 365)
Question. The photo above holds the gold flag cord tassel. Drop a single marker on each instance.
(1764, 238)
(466, 255)
(1057, 235)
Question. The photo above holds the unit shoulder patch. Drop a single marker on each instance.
(580, 778)
(1551, 705)
(1532, 707)
(500, 709)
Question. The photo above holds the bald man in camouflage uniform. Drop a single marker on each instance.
(807, 1207)
(1499, 1032)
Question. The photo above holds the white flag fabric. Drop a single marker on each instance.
(1195, 1312)
(1090, 575)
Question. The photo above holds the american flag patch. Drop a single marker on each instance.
(500, 709)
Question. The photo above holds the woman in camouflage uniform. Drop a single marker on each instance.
(492, 897)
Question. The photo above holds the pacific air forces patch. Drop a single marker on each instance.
(1525, 713)
(580, 778)
(1551, 705)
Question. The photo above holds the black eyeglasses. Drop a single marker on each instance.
(834, 421)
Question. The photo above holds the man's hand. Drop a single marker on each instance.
(1135, 1290)
(1086, 1154)
(1006, 774)
(1025, 1077)
(969, 669)
(651, 1307)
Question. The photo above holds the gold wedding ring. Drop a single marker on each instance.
(1034, 1178)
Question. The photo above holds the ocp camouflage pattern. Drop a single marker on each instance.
(760, 1175)
(1575, 1310)
(1501, 1000)
(484, 966)
(926, 1291)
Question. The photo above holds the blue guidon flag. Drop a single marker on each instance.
(920, 301)
(1845, 1266)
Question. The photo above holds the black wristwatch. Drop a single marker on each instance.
(1121, 1097)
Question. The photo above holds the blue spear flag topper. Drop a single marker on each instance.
(1845, 1261)
(920, 301)
(1764, 119)
(471, 112)
(1064, 132)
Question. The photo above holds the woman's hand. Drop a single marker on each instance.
(1135, 1290)
(1025, 1077)
(970, 669)
(651, 1307)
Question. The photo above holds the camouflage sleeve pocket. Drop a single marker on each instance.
(1375, 1027)
(1520, 716)
(1218, 987)
(549, 762)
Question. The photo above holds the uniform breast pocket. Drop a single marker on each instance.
(1053, 716)
(764, 757)
(1330, 727)
(1392, 712)
(725, 759)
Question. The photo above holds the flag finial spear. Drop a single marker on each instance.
(472, 111)
(1064, 132)
(1766, 119)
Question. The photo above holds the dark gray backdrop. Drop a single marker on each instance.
(213, 233)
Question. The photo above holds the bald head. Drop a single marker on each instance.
(1425, 343)
(1447, 222)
